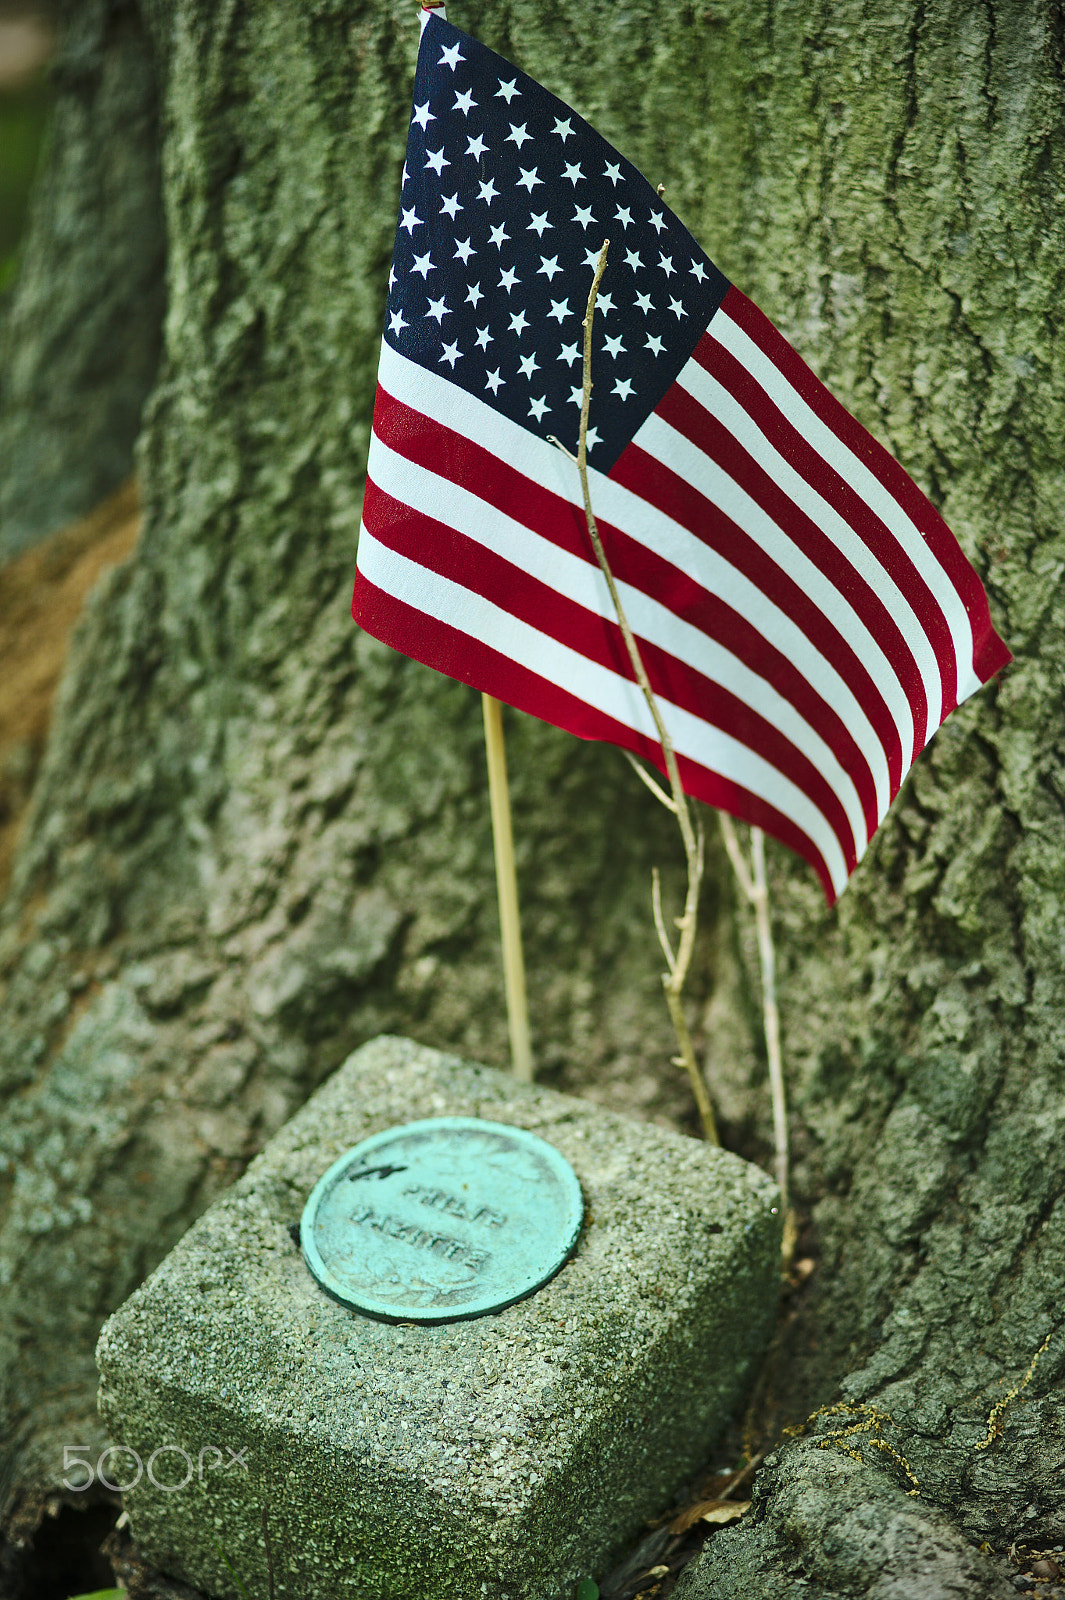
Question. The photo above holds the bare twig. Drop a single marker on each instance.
(645, 777)
(660, 924)
(735, 854)
(752, 882)
(770, 1014)
(673, 980)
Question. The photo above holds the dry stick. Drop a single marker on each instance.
(507, 892)
(756, 890)
(678, 961)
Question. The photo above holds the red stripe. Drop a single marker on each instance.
(451, 455)
(989, 652)
(466, 562)
(445, 648)
(683, 412)
(866, 525)
(418, 438)
(633, 564)
(680, 500)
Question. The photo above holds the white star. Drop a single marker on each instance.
(507, 90)
(392, 276)
(666, 263)
(475, 147)
(605, 303)
(658, 222)
(423, 265)
(498, 234)
(563, 129)
(450, 57)
(654, 344)
(624, 216)
(614, 347)
(571, 352)
(437, 160)
(591, 438)
(518, 322)
(493, 381)
(450, 205)
(537, 409)
(438, 309)
(474, 294)
(538, 224)
(484, 338)
(677, 309)
(573, 173)
(613, 171)
(644, 303)
(451, 354)
(529, 365)
(576, 395)
(488, 191)
(528, 180)
(549, 268)
(403, 184)
(518, 135)
(463, 251)
(622, 387)
(591, 258)
(411, 221)
(423, 116)
(698, 270)
(632, 260)
(559, 309)
(583, 215)
(397, 322)
(465, 102)
(508, 279)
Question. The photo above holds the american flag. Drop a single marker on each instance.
(806, 618)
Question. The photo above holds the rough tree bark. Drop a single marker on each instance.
(79, 345)
(259, 838)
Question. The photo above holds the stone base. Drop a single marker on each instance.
(495, 1459)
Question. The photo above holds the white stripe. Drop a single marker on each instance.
(865, 482)
(596, 685)
(520, 450)
(675, 451)
(582, 582)
(720, 403)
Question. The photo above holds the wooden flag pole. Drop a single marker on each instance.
(507, 891)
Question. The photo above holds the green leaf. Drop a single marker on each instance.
(587, 1589)
(102, 1594)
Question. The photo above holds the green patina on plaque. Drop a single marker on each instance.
(441, 1220)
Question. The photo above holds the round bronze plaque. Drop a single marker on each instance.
(441, 1220)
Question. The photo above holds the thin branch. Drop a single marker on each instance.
(660, 925)
(755, 887)
(645, 777)
(735, 855)
(673, 981)
(770, 1014)
(560, 446)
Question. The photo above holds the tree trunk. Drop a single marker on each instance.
(79, 346)
(259, 838)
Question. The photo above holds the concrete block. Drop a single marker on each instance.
(495, 1459)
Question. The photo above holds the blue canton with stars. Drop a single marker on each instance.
(507, 198)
